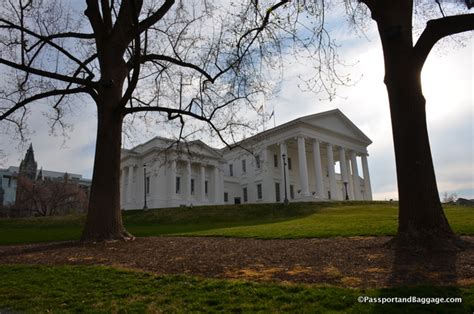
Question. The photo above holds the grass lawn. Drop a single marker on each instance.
(298, 220)
(34, 289)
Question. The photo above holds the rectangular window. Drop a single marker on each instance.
(226, 197)
(329, 195)
(289, 163)
(277, 191)
(206, 187)
(257, 161)
(245, 195)
(244, 166)
(275, 160)
(147, 185)
(192, 186)
(259, 191)
(178, 185)
(231, 170)
(292, 192)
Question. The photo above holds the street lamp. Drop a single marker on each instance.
(284, 179)
(144, 187)
(345, 188)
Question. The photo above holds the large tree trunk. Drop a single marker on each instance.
(422, 222)
(104, 218)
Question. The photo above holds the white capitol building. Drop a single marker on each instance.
(320, 157)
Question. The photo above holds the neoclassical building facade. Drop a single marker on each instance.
(160, 174)
(317, 157)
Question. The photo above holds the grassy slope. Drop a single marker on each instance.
(262, 221)
(34, 289)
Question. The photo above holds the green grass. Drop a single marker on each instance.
(93, 289)
(298, 220)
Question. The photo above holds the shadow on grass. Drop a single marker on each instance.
(204, 218)
(12, 251)
(418, 276)
(166, 221)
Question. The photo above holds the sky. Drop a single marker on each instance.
(447, 85)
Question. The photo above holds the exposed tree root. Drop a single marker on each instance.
(121, 235)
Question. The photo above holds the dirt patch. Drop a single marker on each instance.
(354, 262)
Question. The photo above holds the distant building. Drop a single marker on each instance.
(28, 166)
(317, 157)
(29, 169)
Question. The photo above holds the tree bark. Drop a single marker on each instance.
(422, 222)
(104, 218)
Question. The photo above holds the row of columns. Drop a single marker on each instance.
(185, 183)
(352, 181)
(202, 182)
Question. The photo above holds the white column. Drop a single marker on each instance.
(350, 184)
(130, 185)
(332, 174)
(172, 180)
(267, 177)
(344, 177)
(318, 170)
(365, 170)
(187, 183)
(216, 185)
(221, 185)
(303, 167)
(284, 169)
(355, 177)
(203, 182)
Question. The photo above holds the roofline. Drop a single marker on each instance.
(132, 153)
(295, 121)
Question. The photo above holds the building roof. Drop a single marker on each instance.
(332, 121)
(195, 146)
(47, 173)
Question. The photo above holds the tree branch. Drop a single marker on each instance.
(93, 14)
(44, 95)
(136, 56)
(439, 28)
(106, 14)
(46, 40)
(155, 17)
(156, 57)
(178, 113)
(71, 35)
(258, 30)
(51, 75)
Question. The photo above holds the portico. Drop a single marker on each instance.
(316, 157)
(307, 179)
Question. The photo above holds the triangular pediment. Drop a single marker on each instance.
(199, 147)
(336, 122)
(161, 145)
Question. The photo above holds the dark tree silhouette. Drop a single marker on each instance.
(52, 53)
(422, 221)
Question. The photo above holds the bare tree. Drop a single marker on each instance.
(449, 198)
(421, 218)
(49, 197)
(189, 58)
(422, 222)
